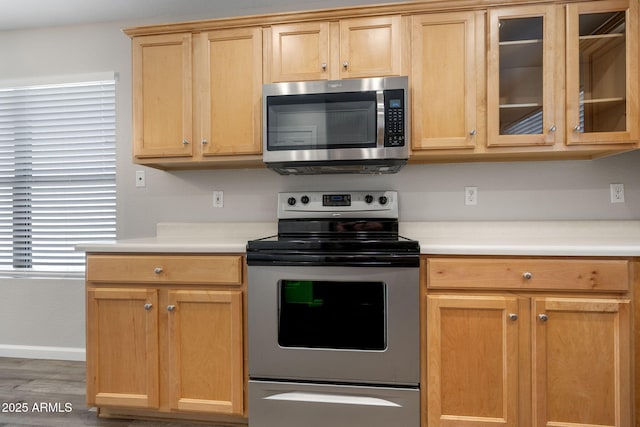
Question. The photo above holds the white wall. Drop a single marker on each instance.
(507, 191)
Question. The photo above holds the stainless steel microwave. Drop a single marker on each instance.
(336, 126)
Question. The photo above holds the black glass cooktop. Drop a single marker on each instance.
(335, 242)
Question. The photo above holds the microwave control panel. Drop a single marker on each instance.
(394, 125)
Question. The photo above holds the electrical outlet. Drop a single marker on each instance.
(141, 180)
(470, 196)
(218, 199)
(617, 193)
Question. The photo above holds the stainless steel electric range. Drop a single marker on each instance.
(334, 315)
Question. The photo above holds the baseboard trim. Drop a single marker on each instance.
(42, 352)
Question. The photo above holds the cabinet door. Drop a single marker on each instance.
(581, 360)
(444, 63)
(370, 47)
(602, 72)
(521, 92)
(472, 360)
(122, 347)
(300, 52)
(231, 89)
(205, 351)
(162, 85)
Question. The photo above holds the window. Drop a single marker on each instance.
(57, 173)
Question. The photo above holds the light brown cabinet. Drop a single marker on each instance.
(348, 48)
(445, 64)
(156, 327)
(488, 81)
(539, 54)
(197, 98)
(527, 358)
(162, 96)
(602, 70)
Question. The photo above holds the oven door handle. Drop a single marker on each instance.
(342, 399)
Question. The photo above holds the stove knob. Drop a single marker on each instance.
(304, 200)
(368, 198)
(291, 201)
(383, 200)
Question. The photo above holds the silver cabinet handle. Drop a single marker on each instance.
(472, 132)
(345, 64)
(577, 128)
(553, 128)
(543, 317)
(513, 316)
(527, 275)
(158, 270)
(185, 142)
(171, 307)
(205, 142)
(148, 306)
(324, 66)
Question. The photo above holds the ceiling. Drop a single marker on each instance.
(22, 14)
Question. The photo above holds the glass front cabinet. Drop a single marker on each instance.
(562, 74)
(602, 72)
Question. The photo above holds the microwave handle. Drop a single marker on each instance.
(381, 109)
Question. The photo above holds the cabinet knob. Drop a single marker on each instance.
(553, 128)
(171, 307)
(345, 64)
(527, 275)
(204, 142)
(472, 132)
(148, 306)
(577, 128)
(543, 317)
(324, 66)
(513, 316)
(158, 270)
(185, 142)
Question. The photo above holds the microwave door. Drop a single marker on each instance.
(322, 122)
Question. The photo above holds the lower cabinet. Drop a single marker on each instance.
(170, 348)
(521, 358)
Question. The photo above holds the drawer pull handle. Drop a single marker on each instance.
(148, 306)
(157, 270)
(171, 307)
(543, 317)
(513, 316)
(527, 275)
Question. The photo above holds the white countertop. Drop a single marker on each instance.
(533, 238)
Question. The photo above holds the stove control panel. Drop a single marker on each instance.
(324, 204)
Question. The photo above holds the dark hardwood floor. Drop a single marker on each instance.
(43, 393)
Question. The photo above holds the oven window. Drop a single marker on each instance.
(332, 314)
(319, 121)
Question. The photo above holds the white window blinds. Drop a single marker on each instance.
(57, 173)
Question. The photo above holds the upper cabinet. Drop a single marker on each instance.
(349, 48)
(602, 72)
(229, 91)
(162, 96)
(197, 98)
(517, 80)
(523, 100)
(445, 64)
(563, 75)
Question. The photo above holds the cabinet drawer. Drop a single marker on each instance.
(191, 269)
(529, 274)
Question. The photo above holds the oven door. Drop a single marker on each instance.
(337, 324)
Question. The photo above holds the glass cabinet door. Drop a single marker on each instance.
(601, 52)
(521, 76)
